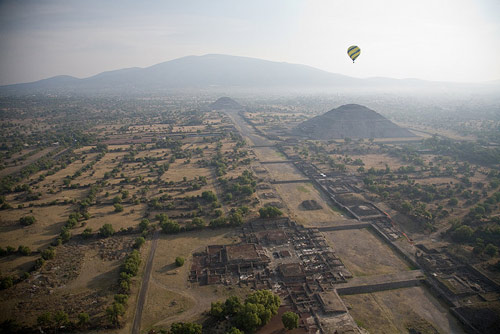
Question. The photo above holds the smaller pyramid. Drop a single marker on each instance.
(350, 121)
(225, 103)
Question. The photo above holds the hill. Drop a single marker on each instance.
(210, 71)
(350, 121)
(214, 72)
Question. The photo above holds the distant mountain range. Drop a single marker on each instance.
(211, 72)
(350, 121)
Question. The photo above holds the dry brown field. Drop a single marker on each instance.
(364, 254)
(180, 299)
(294, 194)
(396, 311)
(10, 169)
(49, 221)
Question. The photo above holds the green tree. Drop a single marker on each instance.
(249, 318)
(45, 320)
(144, 224)
(170, 226)
(179, 261)
(258, 309)
(27, 220)
(209, 196)
(49, 253)
(236, 219)
(121, 298)
(290, 320)
(232, 305)
(217, 310)
(61, 318)
(106, 230)
(118, 207)
(87, 233)
(139, 241)
(83, 320)
(491, 250)
(185, 328)
(234, 330)
(462, 234)
(270, 212)
(114, 313)
(24, 250)
(197, 223)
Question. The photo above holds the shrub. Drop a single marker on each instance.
(491, 250)
(87, 233)
(290, 320)
(179, 261)
(144, 224)
(106, 230)
(118, 207)
(24, 250)
(170, 226)
(27, 220)
(462, 234)
(83, 319)
(120, 298)
(139, 241)
(49, 253)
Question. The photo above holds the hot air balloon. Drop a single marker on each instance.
(353, 52)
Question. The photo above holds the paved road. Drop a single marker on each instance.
(136, 327)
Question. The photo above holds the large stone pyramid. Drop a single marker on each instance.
(225, 103)
(350, 121)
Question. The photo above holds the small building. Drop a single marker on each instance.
(331, 303)
(292, 272)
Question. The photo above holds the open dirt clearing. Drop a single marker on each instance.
(294, 194)
(395, 311)
(283, 172)
(268, 154)
(49, 221)
(364, 254)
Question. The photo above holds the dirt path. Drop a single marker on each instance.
(200, 305)
(136, 327)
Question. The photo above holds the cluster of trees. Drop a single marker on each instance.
(8, 281)
(464, 150)
(479, 228)
(235, 218)
(270, 212)
(54, 321)
(168, 225)
(256, 311)
(21, 250)
(239, 188)
(129, 269)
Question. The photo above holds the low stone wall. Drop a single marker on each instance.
(344, 227)
(398, 250)
(354, 290)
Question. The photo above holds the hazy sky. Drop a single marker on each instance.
(445, 40)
